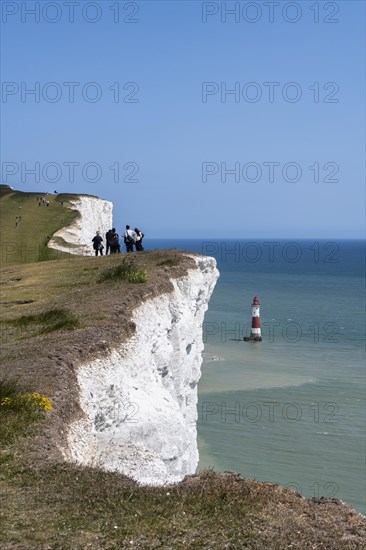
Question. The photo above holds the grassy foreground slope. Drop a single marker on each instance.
(26, 241)
(53, 319)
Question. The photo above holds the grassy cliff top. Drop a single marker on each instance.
(59, 313)
(68, 307)
(26, 226)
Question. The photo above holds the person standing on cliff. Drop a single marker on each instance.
(109, 240)
(97, 244)
(115, 246)
(129, 237)
(139, 237)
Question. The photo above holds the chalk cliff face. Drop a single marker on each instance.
(140, 401)
(95, 215)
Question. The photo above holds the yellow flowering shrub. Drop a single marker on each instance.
(33, 399)
(5, 402)
(40, 400)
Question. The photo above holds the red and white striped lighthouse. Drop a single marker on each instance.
(255, 333)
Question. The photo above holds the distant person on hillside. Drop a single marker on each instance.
(139, 237)
(109, 240)
(129, 237)
(97, 244)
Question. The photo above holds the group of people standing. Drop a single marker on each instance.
(131, 238)
(112, 240)
(42, 200)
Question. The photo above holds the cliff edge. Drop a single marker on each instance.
(124, 379)
(94, 214)
(140, 400)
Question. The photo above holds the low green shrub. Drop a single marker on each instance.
(169, 262)
(125, 271)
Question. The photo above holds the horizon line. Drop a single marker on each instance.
(257, 238)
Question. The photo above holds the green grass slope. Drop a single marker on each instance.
(26, 241)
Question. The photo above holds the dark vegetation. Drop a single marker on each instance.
(47, 321)
(126, 270)
(169, 262)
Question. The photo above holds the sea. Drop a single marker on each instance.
(289, 409)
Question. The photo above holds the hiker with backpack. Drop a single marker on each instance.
(97, 244)
(115, 246)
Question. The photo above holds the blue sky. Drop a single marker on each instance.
(201, 163)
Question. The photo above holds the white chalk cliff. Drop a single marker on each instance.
(94, 215)
(139, 402)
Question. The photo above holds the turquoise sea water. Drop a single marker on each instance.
(290, 409)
